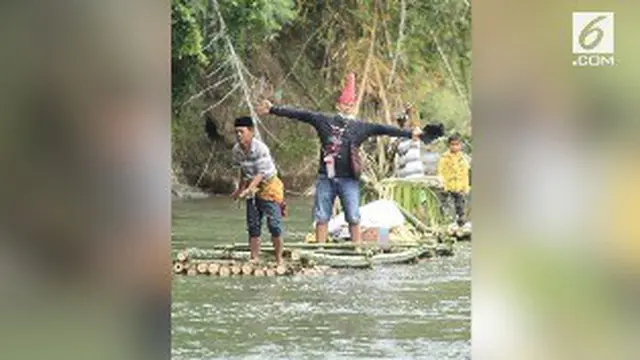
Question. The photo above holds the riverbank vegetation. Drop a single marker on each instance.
(228, 53)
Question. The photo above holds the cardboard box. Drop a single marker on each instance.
(371, 234)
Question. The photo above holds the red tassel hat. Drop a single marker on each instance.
(347, 99)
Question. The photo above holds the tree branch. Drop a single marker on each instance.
(403, 16)
(462, 96)
(367, 63)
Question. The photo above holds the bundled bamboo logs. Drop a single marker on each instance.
(226, 266)
(233, 260)
(226, 269)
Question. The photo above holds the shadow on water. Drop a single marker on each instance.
(400, 312)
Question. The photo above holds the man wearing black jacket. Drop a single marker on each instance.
(340, 135)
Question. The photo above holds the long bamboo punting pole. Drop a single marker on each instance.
(356, 262)
(345, 252)
(219, 249)
(240, 252)
(410, 255)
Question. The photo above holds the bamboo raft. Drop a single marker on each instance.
(407, 244)
(184, 264)
(304, 258)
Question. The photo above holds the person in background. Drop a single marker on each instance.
(453, 168)
(260, 185)
(340, 166)
(430, 159)
(408, 162)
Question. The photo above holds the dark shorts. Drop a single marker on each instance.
(347, 189)
(257, 209)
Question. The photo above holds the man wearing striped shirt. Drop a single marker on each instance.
(407, 151)
(259, 185)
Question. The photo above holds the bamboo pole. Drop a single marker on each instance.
(178, 268)
(182, 256)
(191, 270)
(217, 254)
(258, 272)
(224, 271)
(247, 269)
(444, 250)
(202, 268)
(367, 65)
(270, 272)
(403, 17)
(356, 262)
(281, 270)
(345, 252)
(213, 268)
(236, 269)
(402, 257)
(340, 245)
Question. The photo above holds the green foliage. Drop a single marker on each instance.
(187, 55)
(251, 22)
(417, 51)
(195, 27)
(415, 196)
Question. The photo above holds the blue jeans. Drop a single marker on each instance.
(256, 210)
(347, 189)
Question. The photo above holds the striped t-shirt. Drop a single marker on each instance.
(408, 160)
(257, 161)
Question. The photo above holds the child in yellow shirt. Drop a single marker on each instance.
(453, 168)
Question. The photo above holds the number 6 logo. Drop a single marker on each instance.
(593, 33)
(589, 29)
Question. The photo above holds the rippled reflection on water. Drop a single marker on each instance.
(402, 312)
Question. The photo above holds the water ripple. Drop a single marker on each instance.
(417, 312)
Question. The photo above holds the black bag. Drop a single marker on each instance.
(431, 132)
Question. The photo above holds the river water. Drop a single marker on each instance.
(421, 311)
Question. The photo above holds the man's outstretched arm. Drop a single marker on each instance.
(427, 135)
(372, 129)
(314, 119)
